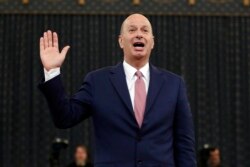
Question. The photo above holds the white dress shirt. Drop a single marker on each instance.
(48, 75)
(131, 78)
(129, 73)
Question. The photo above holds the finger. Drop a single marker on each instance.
(49, 38)
(41, 44)
(64, 51)
(45, 37)
(55, 40)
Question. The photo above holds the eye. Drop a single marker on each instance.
(145, 30)
(131, 30)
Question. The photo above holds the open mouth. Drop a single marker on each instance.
(138, 44)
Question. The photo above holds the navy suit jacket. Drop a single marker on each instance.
(166, 138)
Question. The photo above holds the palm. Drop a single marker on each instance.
(51, 58)
(49, 51)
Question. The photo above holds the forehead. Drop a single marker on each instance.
(80, 149)
(215, 152)
(137, 21)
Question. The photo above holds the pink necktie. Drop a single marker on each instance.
(140, 98)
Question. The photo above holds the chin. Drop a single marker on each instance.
(139, 55)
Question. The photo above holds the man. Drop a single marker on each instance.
(81, 157)
(210, 157)
(214, 157)
(140, 113)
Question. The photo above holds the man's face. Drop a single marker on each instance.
(214, 158)
(80, 155)
(136, 37)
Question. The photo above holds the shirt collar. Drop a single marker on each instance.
(130, 70)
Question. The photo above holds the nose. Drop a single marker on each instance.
(139, 35)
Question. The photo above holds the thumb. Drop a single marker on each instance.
(64, 51)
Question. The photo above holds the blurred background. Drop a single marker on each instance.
(207, 42)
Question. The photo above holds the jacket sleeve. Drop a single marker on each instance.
(67, 111)
(184, 138)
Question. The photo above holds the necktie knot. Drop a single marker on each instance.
(138, 74)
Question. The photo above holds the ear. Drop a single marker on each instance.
(120, 41)
(153, 42)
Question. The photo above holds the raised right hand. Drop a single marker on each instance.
(49, 51)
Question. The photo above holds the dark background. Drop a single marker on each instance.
(211, 53)
(201, 7)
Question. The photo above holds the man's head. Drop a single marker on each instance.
(81, 155)
(136, 39)
(214, 157)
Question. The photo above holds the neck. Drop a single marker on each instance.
(137, 63)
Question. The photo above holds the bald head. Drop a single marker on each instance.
(136, 40)
(134, 18)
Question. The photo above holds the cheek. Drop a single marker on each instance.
(151, 44)
(127, 43)
(128, 40)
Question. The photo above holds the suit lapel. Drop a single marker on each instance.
(118, 79)
(155, 84)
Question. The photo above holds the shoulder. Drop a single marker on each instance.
(167, 74)
(170, 78)
(89, 165)
(71, 165)
(101, 71)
